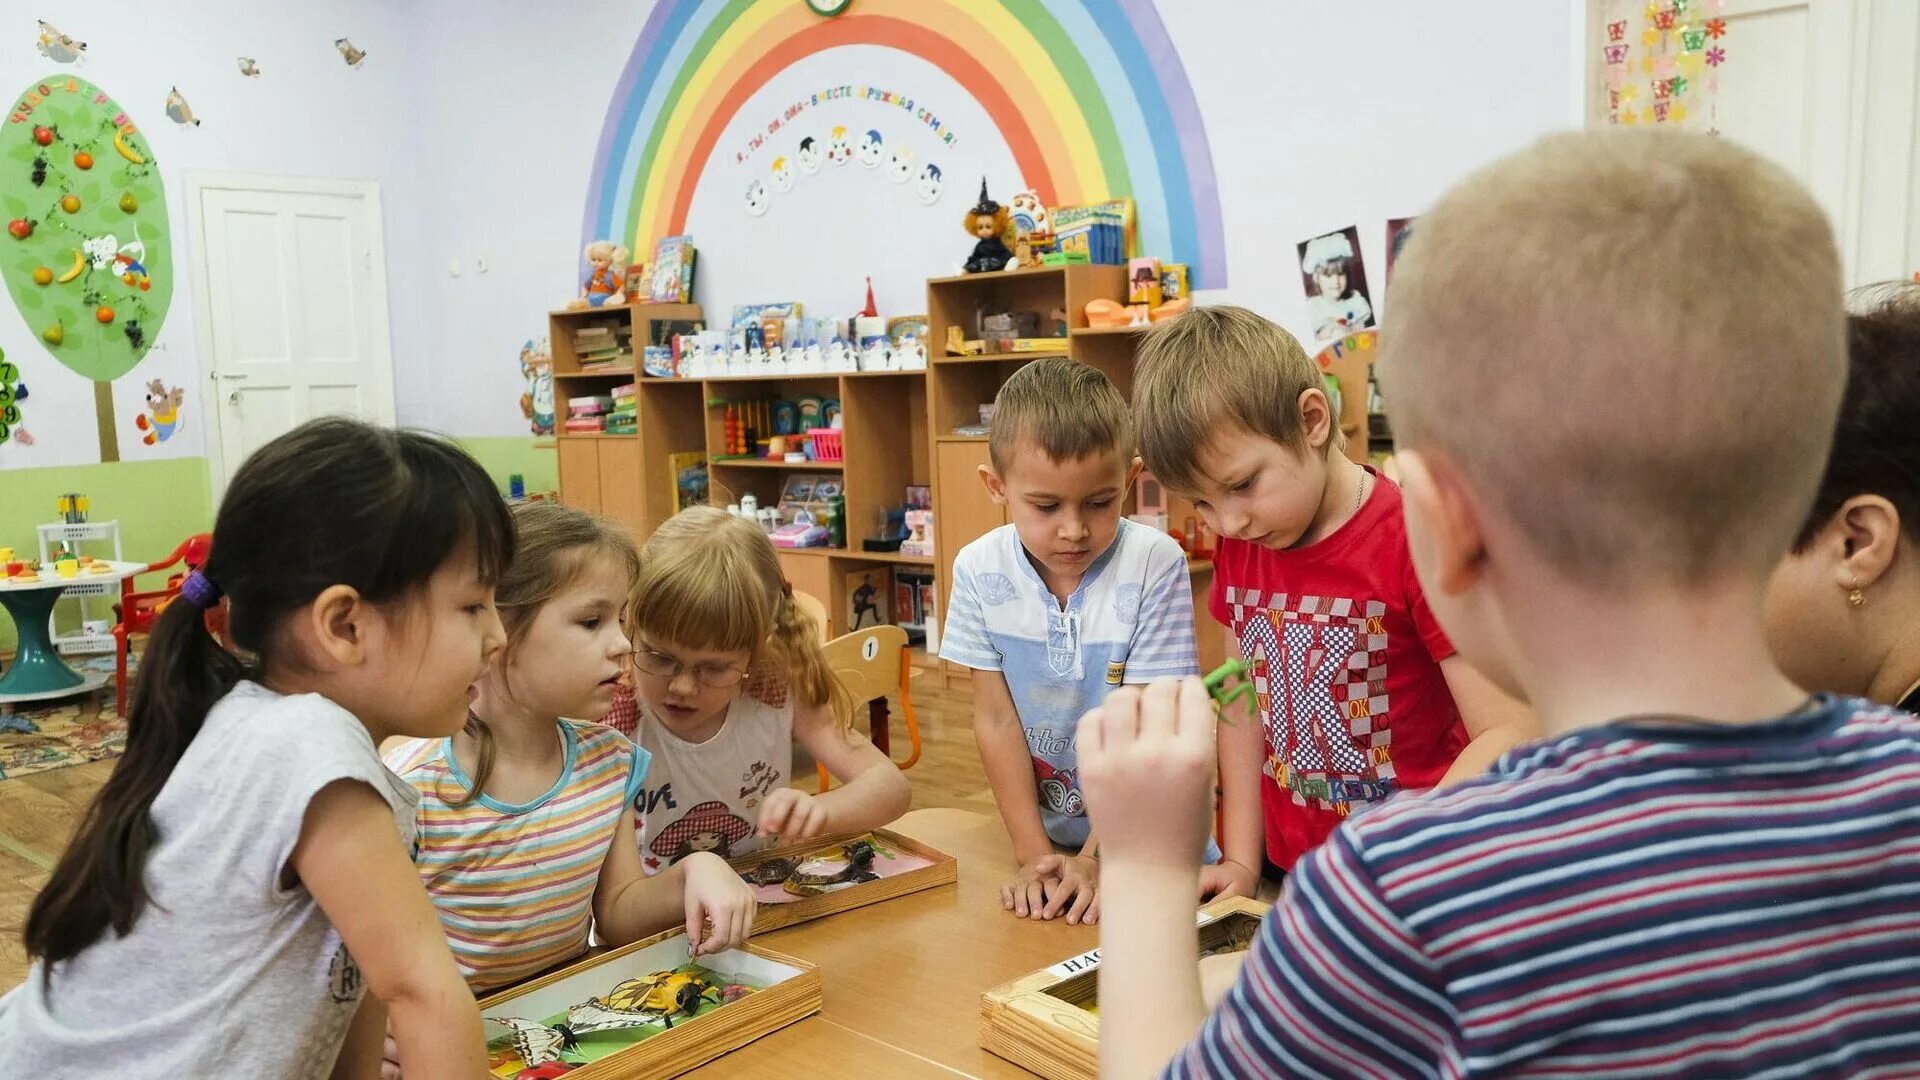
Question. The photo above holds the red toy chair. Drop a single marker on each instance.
(139, 610)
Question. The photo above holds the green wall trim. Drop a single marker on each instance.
(160, 503)
(157, 503)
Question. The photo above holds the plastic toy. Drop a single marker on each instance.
(1169, 309)
(1143, 282)
(1233, 671)
(664, 993)
(987, 223)
(605, 283)
(1107, 313)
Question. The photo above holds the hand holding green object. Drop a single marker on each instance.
(1237, 672)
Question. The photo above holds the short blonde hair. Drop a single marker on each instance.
(1632, 344)
(712, 581)
(1064, 407)
(1210, 367)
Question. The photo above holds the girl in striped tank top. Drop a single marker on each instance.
(525, 842)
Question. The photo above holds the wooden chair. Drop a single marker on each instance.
(138, 611)
(812, 606)
(874, 663)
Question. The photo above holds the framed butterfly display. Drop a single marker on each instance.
(645, 1010)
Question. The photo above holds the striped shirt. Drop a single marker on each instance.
(514, 884)
(1635, 900)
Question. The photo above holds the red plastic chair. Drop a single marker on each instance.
(139, 610)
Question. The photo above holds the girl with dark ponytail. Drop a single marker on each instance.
(246, 873)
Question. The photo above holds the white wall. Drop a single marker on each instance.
(308, 114)
(1320, 116)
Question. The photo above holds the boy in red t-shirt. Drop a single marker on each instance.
(1359, 691)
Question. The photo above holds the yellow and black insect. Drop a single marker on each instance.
(664, 993)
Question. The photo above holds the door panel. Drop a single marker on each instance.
(296, 316)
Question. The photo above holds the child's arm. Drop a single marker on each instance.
(701, 889)
(1146, 771)
(1144, 766)
(1495, 723)
(1243, 750)
(1009, 768)
(872, 791)
(352, 861)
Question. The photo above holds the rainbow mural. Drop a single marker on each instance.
(1089, 95)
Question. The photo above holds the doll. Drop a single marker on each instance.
(987, 223)
(605, 283)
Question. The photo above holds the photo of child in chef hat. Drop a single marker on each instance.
(1336, 284)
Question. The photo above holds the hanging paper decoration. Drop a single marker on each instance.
(1666, 65)
(351, 55)
(57, 46)
(90, 266)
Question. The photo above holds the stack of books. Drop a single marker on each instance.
(588, 415)
(624, 418)
(604, 347)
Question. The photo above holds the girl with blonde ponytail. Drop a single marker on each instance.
(710, 608)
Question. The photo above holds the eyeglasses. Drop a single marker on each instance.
(662, 666)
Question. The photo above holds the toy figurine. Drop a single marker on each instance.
(1234, 671)
(605, 283)
(987, 223)
(537, 403)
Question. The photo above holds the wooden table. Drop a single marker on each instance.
(903, 978)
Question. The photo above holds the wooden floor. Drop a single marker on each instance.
(39, 812)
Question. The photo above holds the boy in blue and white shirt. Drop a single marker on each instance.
(1054, 610)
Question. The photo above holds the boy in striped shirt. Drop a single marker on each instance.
(1702, 869)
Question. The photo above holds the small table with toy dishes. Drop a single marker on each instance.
(28, 594)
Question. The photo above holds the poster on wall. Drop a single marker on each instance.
(1336, 283)
(1399, 231)
(88, 256)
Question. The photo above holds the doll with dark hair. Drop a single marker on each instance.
(987, 223)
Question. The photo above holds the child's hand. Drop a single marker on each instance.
(1146, 773)
(389, 1057)
(792, 814)
(1226, 878)
(1046, 885)
(716, 897)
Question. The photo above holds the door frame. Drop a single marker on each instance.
(198, 184)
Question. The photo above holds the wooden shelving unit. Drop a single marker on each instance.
(897, 429)
(959, 385)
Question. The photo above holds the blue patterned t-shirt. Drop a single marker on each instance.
(1130, 621)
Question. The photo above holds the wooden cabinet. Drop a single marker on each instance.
(623, 477)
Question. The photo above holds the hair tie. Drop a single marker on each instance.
(200, 590)
(786, 588)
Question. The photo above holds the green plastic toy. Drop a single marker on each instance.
(1235, 672)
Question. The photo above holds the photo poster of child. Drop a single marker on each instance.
(1398, 231)
(1336, 284)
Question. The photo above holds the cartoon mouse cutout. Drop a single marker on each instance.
(164, 404)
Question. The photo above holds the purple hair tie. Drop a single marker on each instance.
(200, 590)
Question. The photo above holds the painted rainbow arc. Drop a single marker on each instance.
(1089, 95)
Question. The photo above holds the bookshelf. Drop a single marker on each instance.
(623, 477)
(959, 385)
(626, 477)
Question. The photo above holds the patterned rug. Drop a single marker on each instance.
(70, 732)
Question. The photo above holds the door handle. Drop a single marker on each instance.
(228, 376)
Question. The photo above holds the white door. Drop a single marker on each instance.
(292, 299)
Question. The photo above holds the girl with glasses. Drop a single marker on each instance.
(710, 608)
